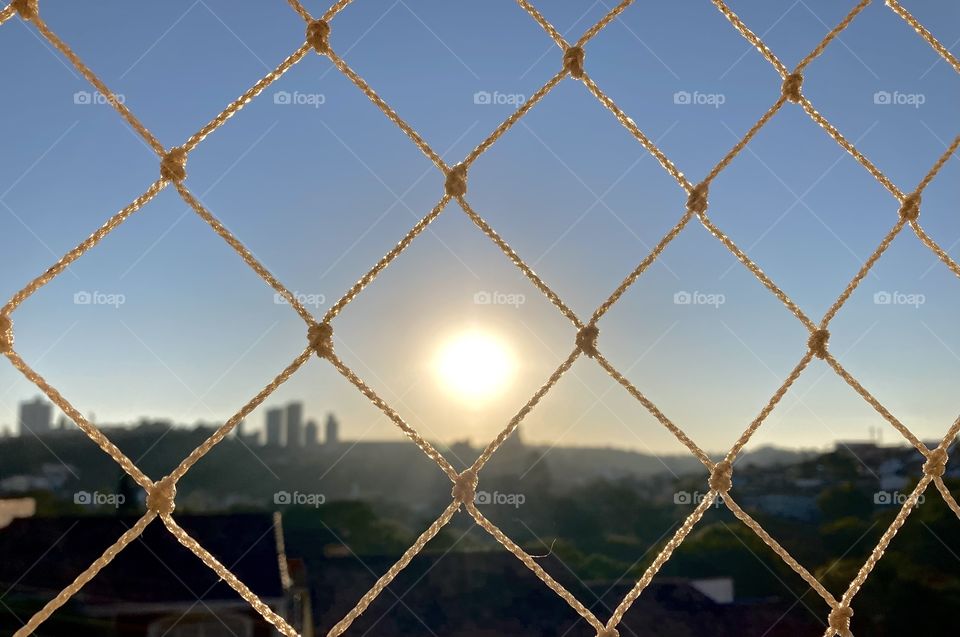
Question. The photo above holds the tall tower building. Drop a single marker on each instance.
(36, 416)
(333, 430)
(274, 427)
(295, 425)
(311, 434)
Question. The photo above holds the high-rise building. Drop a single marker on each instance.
(274, 427)
(36, 416)
(333, 430)
(249, 439)
(295, 424)
(311, 434)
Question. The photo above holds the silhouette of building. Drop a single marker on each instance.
(139, 597)
(311, 434)
(333, 430)
(36, 417)
(252, 438)
(453, 589)
(294, 424)
(274, 427)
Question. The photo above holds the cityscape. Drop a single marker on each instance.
(283, 426)
(346, 509)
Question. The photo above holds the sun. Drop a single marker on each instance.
(475, 366)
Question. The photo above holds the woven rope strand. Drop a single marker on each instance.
(678, 537)
(531, 564)
(162, 493)
(91, 77)
(81, 580)
(925, 34)
(207, 558)
(340, 627)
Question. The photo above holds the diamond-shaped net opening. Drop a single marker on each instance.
(573, 64)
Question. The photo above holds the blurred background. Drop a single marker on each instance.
(161, 333)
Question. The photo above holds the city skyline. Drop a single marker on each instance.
(330, 434)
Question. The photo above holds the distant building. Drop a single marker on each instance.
(311, 434)
(333, 430)
(274, 427)
(514, 603)
(36, 417)
(865, 455)
(250, 439)
(718, 589)
(52, 477)
(135, 597)
(13, 508)
(856, 446)
(295, 424)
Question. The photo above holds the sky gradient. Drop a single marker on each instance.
(321, 187)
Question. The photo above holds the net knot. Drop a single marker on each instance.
(465, 487)
(721, 478)
(26, 9)
(840, 620)
(573, 61)
(608, 632)
(791, 87)
(173, 165)
(936, 463)
(160, 498)
(6, 334)
(818, 343)
(910, 207)
(318, 35)
(320, 336)
(456, 184)
(587, 339)
(697, 199)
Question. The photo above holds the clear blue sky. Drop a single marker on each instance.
(319, 191)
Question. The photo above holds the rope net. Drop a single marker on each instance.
(319, 332)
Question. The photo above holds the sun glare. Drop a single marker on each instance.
(475, 366)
